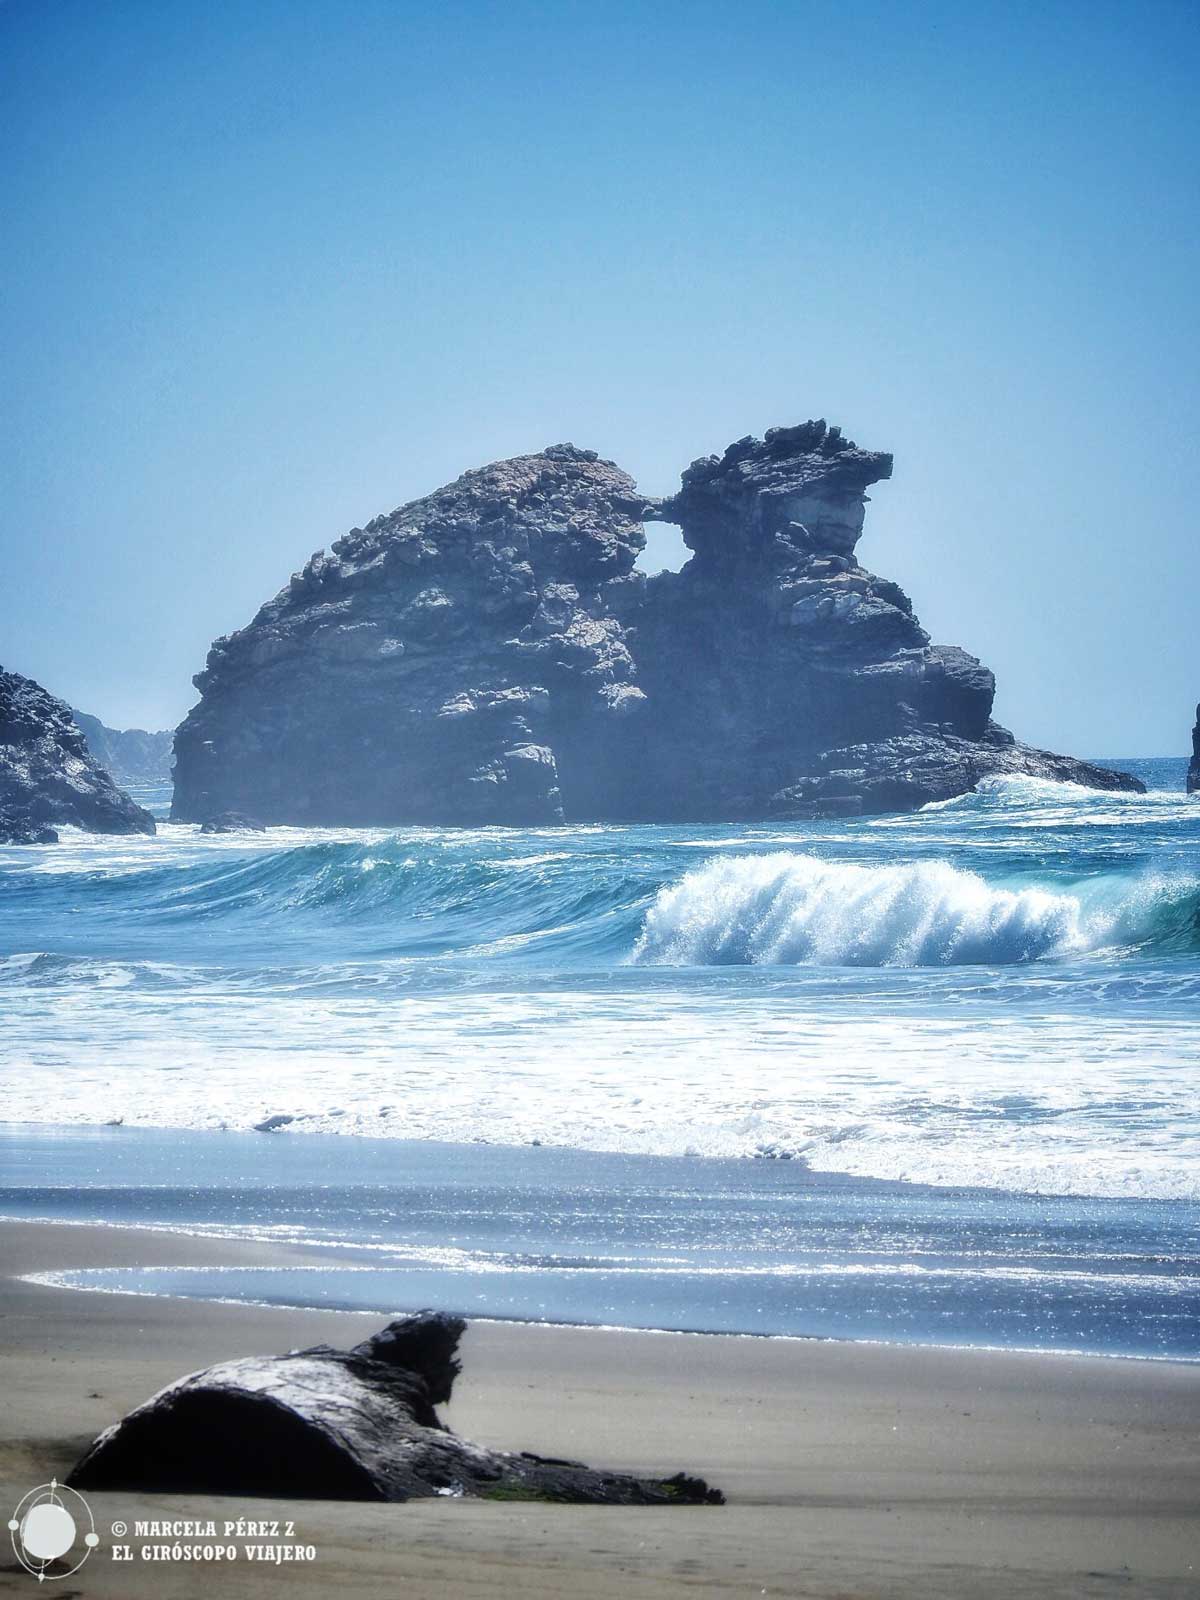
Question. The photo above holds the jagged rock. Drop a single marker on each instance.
(232, 822)
(17, 826)
(352, 1424)
(47, 775)
(490, 654)
(1193, 772)
(910, 770)
(131, 755)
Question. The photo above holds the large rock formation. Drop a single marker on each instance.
(131, 755)
(47, 775)
(352, 1424)
(1193, 772)
(490, 655)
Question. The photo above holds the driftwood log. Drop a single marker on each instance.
(352, 1424)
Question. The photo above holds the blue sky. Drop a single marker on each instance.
(272, 269)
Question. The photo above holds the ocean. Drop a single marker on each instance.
(932, 1077)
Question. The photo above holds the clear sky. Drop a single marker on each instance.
(271, 269)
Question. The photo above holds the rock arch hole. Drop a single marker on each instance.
(665, 550)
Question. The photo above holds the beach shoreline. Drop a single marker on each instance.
(850, 1469)
(588, 1239)
(321, 1257)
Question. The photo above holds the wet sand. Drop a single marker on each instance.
(862, 1471)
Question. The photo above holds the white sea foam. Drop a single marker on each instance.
(868, 1084)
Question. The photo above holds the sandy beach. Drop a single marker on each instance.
(851, 1470)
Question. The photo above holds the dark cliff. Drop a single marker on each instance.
(489, 654)
(1193, 772)
(48, 777)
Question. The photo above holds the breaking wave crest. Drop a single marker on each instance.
(792, 909)
(563, 905)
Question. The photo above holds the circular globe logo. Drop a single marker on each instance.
(52, 1526)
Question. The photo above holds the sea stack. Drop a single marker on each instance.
(1193, 772)
(48, 777)
(491, 654)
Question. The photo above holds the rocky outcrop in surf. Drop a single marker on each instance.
(1193, 771)
(232, 822)
(354, 1424)
(131, 755)
(48, 777)
(491, 654)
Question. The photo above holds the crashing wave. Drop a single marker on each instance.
(790, 909)
(1014, 793)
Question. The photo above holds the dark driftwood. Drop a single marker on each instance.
(342, 1425)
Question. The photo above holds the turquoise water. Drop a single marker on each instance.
(995, 996)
